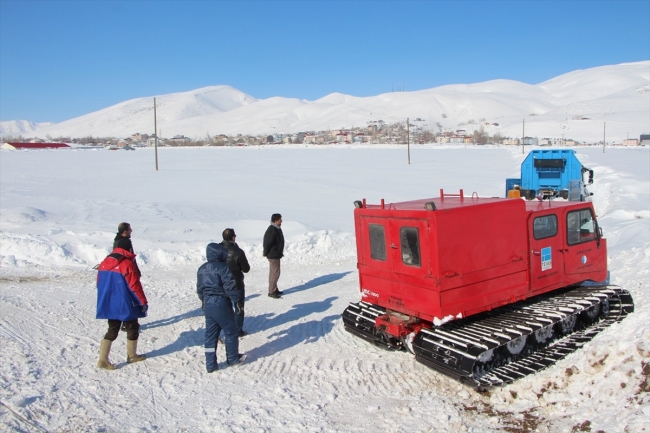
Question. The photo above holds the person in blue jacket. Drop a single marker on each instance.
(218, 292)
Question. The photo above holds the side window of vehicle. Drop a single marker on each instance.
(410, 243)
(377, 241)
(544, 227)
(580, 227)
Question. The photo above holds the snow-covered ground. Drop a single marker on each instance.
(59, 211)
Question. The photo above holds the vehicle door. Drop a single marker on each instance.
(409, 256)
(374, 260)
(582, 243)
(547, 251)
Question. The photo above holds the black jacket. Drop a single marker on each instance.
(122, 242)
(214, 278)
(273, 243)
(237, 261)
(125, 243)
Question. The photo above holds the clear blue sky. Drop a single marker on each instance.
(62, 59)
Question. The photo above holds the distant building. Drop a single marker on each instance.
(631, 142)
(511, 141)
(530, 141)
(644, 140)
(28, 146)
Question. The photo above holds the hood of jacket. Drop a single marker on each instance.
(216, 252)
(126, 253)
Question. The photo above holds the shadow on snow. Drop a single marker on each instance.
(193, 337)
(318, 281)
(264, 321)
(300, 333)
(171, 320)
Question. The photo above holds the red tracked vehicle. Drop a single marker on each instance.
(485, 290)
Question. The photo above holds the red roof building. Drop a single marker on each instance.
(20, 146)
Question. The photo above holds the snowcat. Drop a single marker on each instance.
(484, 290)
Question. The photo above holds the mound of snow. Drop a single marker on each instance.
(25, 215)
(23, 249)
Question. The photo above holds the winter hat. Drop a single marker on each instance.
(228, 234)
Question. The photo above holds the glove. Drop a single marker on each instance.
(239, 308)
(145, 308)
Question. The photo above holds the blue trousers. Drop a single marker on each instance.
(219, 316)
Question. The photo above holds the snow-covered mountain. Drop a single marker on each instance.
(21, 127)
(573, 105)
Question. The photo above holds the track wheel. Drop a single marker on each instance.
(605, 307)
(567, 324)
(592, 313)
(543, 334)
(517, 345)
(486, 356)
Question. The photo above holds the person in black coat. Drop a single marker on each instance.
(274, 251)
(123, 240)
(239, 266)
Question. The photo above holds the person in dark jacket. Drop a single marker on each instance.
(121, 300)
(218, 291)
(274, 250)
(123, 240)
(239, 266)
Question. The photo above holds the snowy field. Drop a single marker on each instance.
(59, 214)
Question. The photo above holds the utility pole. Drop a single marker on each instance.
(408, 140)
(604, 136)
(155, 132)
(523, 134)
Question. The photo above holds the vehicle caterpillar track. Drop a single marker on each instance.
(501, 346)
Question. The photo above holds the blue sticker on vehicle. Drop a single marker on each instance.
(547, 260)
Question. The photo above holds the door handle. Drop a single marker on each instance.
(393, 246)
(537, 253)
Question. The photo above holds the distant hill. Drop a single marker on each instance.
(21, 127)
(573, 105)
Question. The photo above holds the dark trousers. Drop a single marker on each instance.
(239, 320)
(132, 327)
(274, 274)
(219, 315)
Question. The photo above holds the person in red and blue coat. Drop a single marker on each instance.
(121, 300)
